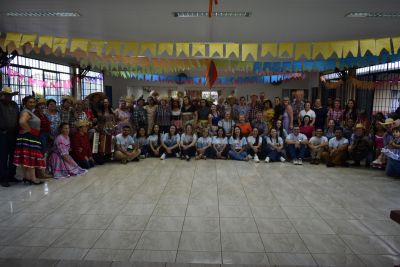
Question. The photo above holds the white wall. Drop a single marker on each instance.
(121, 87)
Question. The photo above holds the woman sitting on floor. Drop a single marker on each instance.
(142, 142)
(170, 143)
(274, 147)
(154, 142)
(188, 143)
(219, 145)
(60, 162)
(238, 145)
(203, 145)
(254, 142)
(81, 148)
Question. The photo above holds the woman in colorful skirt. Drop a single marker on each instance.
(60, 162)
(28, 152)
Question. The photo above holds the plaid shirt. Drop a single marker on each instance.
(297, 107)
(253, 111)
(163, 116)
(67, 116)
(336, 115)
(139, 116)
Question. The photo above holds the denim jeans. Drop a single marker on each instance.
(296, 152)
(236, 155)
(393, 168)
(274, 155)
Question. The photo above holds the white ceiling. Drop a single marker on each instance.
(152, 20)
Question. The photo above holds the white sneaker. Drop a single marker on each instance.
(377, 162)
(256, 159)
(163, 156)
(295, 162)
(249, 156)
(282, 159)
(299, 162)
(177, 155)
(267, 160)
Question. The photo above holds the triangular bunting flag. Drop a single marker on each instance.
(303, 49)
(269, 48)
(367, 45)
(113, 48)
(182, 48)
(198, 48)
(381, 44)
(13, 37)
(131, 48)
(249, 49)
(350, 47)
(60, 42)
(165, 47)
(151, 46)
(396, 44)
(96, 46)
(286, 48)
(45, 40)
(216, 48)
(232, 49)
(323, 48)
(79, 43)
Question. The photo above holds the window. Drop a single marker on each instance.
(45, 79)
(92, 83)
(210, 95)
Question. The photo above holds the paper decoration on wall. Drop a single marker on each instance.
(303, 50)
(168, 48)
(60, 43)
(286, 48)
(198, 49)
(79, 43)
(216, 49)
(45, 40)
(232, 49)
(249, 49)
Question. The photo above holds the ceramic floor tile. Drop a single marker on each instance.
(160, 223)
(325, 244)
(108, 255)
(201, 224)
(270, 212)
(153, 256)
(137, 209)
(202, 211)
(382, 227)
(114, 239)
(345, 260)
(290, 243)
(238, 225)
(8, 234)
(367, 245)
(199, 257)
(244, 258)
(241, 242)
(235, 211)
(39, 237)
(275, 226)
(93, 222)
(380, 260)
(62, 220)
(311, 226)
(21, 252)
(170, 210)
(64, 253)
(288, 259)
(300, 212)
(350, 227)
(129, 223)
(159, 240)
(197, 241)
(78, 238)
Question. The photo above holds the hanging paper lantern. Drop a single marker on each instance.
(211, 74)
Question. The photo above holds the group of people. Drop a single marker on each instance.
(47, 140)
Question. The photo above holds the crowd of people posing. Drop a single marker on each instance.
(47, 140)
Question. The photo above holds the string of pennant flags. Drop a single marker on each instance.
(168, 57)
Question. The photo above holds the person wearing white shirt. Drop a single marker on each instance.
(203, 145)
(188, 143)
(254, 142)
(227, 123)
(274, 147)
(317, 145)
(296, 145)
(307, 111)
(154, 141)
(337, 154)
(238, 145)
(219, 145)
(170, 143)
(125, 146)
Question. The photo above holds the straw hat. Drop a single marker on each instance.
(40, 101)
(388, 121)
(69, 98)
(359, 125)
(81, 123)
(8, 91)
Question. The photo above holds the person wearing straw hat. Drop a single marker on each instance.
(8, 134)
(81, 150)
(360, 146)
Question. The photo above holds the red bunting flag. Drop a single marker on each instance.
(211, 74)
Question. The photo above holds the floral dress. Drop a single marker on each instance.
(60, 167)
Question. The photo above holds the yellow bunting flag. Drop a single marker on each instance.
(216, 48)
(13, 37)
(383, 43)
(182, 48)
(151, 46)
(232, 49)
(396, 44)
(249, 49)
(198, 48)
(79, 43)
(97, 46)
(28, 39)
(303, 49)
(60, 42)
(113, 47)
(367, 45)
(337, 47)
(323, 48)
(350, 47)
(269, 48)
(131, 48)
(286, 48)
(165, 47)
(45, 40)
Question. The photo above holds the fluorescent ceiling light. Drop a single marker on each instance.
(195, 14)
(373, 15)
(42, 14)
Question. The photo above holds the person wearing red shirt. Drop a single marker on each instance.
(244, 126)
(306, 128)
(81, 148)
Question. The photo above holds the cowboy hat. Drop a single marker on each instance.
(81, 123)
(8, 91)
(40, 101)
(388, 121)
(69, 98)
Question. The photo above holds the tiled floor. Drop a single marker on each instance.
(220, 212)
